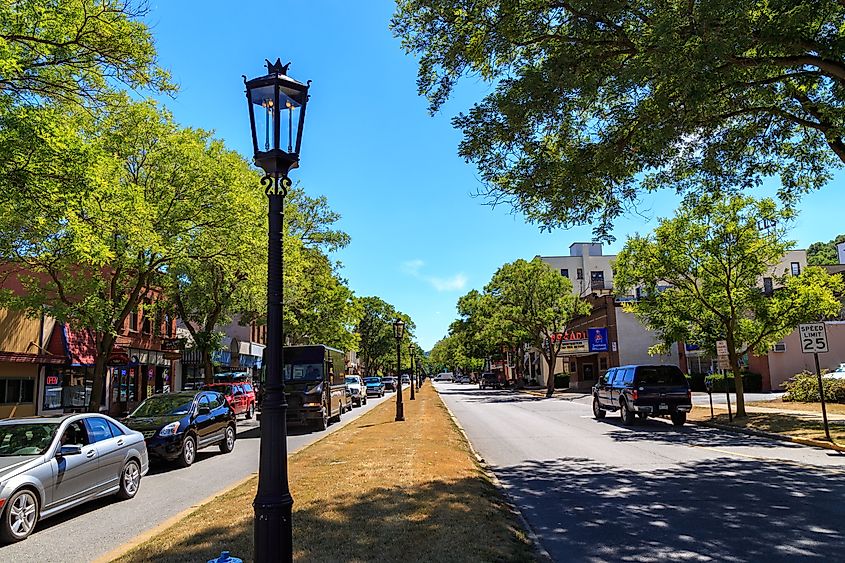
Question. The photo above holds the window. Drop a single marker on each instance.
(115, 430)
(247, 388)
(205, 401)
(564, 272)
(168, 326)
(133, 320)
(17, 390)
(98, 429)
(608, 377)
(146, 316)
(629, 376)
(768, 289)
(796, 268)
(660, 375)
(75, 434)
(602, 363)
(579, 274)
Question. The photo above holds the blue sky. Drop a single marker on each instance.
(419, 237)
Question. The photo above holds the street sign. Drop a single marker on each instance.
(724, 362)
(721, 347)
(813, 338)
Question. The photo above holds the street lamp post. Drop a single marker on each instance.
(280, 97)
(398, 333)
(411, 377)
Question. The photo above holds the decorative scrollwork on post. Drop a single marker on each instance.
(276, 185)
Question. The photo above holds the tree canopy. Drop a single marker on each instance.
(593, 102)
(701, 276)
(824, 253)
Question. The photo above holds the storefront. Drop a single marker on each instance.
(147, 373)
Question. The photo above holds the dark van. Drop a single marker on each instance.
(649, 390)
(315, 385)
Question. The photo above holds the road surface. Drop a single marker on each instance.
(98, 527)
(600, 491)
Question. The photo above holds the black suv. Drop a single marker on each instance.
(645, 391)
(489, 379)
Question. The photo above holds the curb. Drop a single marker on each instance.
(508, 499)
(771, 435)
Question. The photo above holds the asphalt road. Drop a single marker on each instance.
(98, 527)
(599, 491)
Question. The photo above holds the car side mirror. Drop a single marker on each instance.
(204, 410)
(70, 449)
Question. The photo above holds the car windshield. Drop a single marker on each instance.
(164, 405)
(31, 438)
(353, 380)
(303, 372)
(372, 380)
(660, 375)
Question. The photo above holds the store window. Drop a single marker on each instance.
(68, 387)
(17, 390)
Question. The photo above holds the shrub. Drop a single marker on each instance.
(751, 382)
(804, 388)
(561, 380)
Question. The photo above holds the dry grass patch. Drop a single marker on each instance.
(784, 423)
(374, 490)
(780, 404)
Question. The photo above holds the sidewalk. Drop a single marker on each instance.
(375, 490)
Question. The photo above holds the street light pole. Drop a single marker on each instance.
(398, 332)
(411, 377)
(273, 504)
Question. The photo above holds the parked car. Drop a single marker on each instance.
(406, 379)
(647, 390)
(375, 386)
(48, 465)
(462, 379)
(357, 390)
(240, 396)
(838, 373)
(443, 376)
(489, 380)
(389, 383)
(177, 425)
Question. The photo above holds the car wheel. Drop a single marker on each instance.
(598, 412)
(626, 414)
(130, 480)
(188, 453)
(228, 443)
(643, 416)
(679, 418)
(20, 516)
(250, 412)
(323, 423)
(364, 401)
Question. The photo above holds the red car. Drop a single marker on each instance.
(240, 396)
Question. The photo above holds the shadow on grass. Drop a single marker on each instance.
(439, 521)
(722, 510)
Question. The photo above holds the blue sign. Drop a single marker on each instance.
(598, 339)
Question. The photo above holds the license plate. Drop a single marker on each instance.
(664, 407)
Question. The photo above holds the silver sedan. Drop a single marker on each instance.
(48, 465)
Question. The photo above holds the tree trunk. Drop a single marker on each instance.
(208, 367)
(550, 381)
(740, 391)
(104, 350)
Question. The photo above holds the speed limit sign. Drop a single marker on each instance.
(813, 338)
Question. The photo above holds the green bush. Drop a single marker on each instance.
(751, 382)
(804, 388)
(561, 380)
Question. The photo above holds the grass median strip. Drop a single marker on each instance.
(788, 424)
(374, 490)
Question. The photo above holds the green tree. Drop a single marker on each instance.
(533, 298)
(92, 253)
(701, 278)
(593, 102)
(376, 343)
(824, 253)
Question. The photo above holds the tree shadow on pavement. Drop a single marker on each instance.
(692, 435)
(722, 510)
(476, 395)
(440, 521)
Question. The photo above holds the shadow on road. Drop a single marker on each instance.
(475, 395)
(660, 430)
(722, 510)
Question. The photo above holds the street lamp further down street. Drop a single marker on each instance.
(411, 376)
(278, 97)
(398, 333)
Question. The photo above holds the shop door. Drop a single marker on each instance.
(589, 374)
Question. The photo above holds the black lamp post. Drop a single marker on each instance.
(411, 378)
(279, 97)
(398, 333)
(419, 372)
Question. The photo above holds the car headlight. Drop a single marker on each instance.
(170, 429)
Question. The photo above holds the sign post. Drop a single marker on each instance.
(725, 363)
(814, 341)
